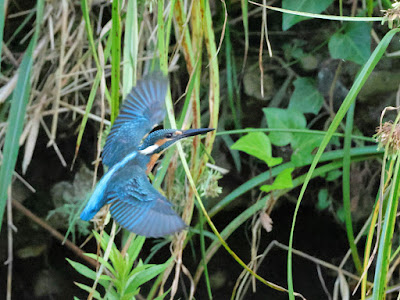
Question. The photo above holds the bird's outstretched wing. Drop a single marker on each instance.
(139, 207)
(143, 108)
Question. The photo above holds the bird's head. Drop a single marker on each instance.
(159, 140)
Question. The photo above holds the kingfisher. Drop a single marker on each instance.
(130, 151)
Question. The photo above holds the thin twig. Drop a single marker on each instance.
(74, 248)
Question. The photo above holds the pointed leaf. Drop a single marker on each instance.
(96, 294)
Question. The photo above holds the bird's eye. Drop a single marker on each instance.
(168, 135)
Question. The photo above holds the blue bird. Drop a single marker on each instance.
(135, 204)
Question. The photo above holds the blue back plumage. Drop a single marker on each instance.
(143, 108)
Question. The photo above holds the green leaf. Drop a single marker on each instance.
(103, 262)
(303, 145)
(353, 44)
(333, 175)
(306, 98)
(96, 294)
(135, 247)
(258, 145)
(283, 119)
(341, 214)
(282, 181)
(310, 6)
(147, 275)
(324, 200)
(85, 271)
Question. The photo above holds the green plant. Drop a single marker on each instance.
(123, 273)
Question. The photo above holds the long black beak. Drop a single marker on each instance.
(193, 132)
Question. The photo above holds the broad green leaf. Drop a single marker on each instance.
(258, 145)
(282, 181)
(324, 200)
(353, 44)
(303, 145)
(283, 119)
(306, 98)
(310, 6)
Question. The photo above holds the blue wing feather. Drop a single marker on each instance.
(143, 108)
(154, 219)
(135, 204)
(139, 207)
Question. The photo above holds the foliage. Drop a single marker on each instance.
(258, 145)
(209, 49)
(353, 43)
(305, 98)
(288, 20)
(17, 114)
(124, 277)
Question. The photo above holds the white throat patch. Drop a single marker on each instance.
(149, 149)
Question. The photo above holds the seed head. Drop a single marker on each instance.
(392, 15)
(384, 135)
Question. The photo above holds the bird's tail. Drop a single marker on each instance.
(99, 196)
(98, 199)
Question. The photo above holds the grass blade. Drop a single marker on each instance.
(350, 98)
(115, 59)
(346, 188)
(17, 114)
(385, 242)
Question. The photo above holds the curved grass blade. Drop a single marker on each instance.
(96, 83)
(259, 179)
(260, 204)
(346, 188)
(350, 98)
(17, 114)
